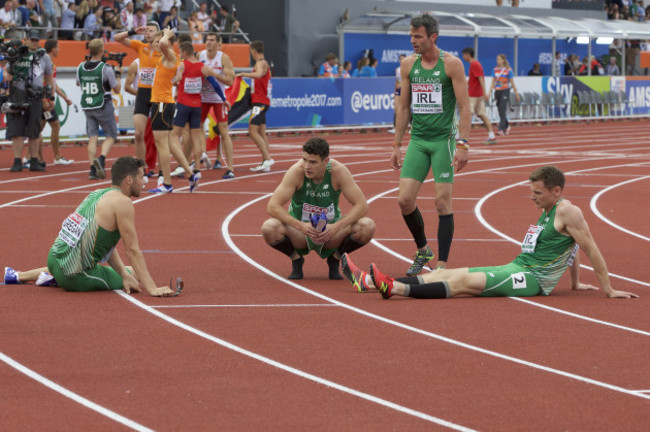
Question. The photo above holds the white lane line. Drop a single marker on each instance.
(316, 305)
(54, 192)
(292, 370)
(594, 207)
(249, 260)
(71, 395)
(582, 317)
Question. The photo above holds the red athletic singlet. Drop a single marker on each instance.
(189, 87)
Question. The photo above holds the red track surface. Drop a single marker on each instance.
(245, 349)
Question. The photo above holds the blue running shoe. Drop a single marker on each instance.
(228, 175)
(11, 276)
(163, 189)
(217, 165)
(194, 181)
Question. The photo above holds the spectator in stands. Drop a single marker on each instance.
(330, 68)
(230, 24)
(369, 71)
(195, 27)
(112, 23)
(155, 12)
(568, 65)
(171, 20)
(203, 16)
(126, 16)
(49, 17)
(7, 17)
(535, 71)
(596, 68)
(345, 71)
(82, 13)
(166, 9)
(363, 62)
(35, 19)
(557, 64)
(93, 23)
(67, 21)
(612, 67)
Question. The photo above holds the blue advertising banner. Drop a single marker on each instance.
(306, 102)
(300, 102)
(369, 100)
(638, 95)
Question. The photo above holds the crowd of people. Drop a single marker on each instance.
(90, 19)
(630, 10)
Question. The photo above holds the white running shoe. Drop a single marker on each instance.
(63, 161)
(207, 163)
(45, 279)
(391, 130)
(178, 172)
(265, 166)
(160, 181)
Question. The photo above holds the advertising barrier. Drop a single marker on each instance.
(321, 102)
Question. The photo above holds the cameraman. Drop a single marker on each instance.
(29, 72)
(96, 79)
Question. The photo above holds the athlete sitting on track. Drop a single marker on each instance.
(548, 248)
(313, 186)
(89, 236)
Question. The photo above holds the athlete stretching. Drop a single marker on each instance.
(548, 248)
(433, 83)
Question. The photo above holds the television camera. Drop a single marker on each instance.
(18, 100)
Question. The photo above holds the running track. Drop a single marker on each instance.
(245, 349)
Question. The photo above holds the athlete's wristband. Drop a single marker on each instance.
(131, 32)
(462, 143)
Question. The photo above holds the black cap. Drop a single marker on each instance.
(34, 34)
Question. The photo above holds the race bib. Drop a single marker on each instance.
(193, 85)
(427, 98)
(530, 241)
(309, 209)
(72, 229)
(518, 281)
(146, 75)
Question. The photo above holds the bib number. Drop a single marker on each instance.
(518, 281)
(193, 85)
(72, 229)
(530, 241)
(427, 98)
(147, 75)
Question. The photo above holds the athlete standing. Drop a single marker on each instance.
(219, 61)
(433, 83)
(261, 101)
(148, 59)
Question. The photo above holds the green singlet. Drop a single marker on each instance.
(80, 246)
(314, 198)
(545, 256)
(433, 104)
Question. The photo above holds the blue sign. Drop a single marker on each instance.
(313, 102)
(638, 95)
